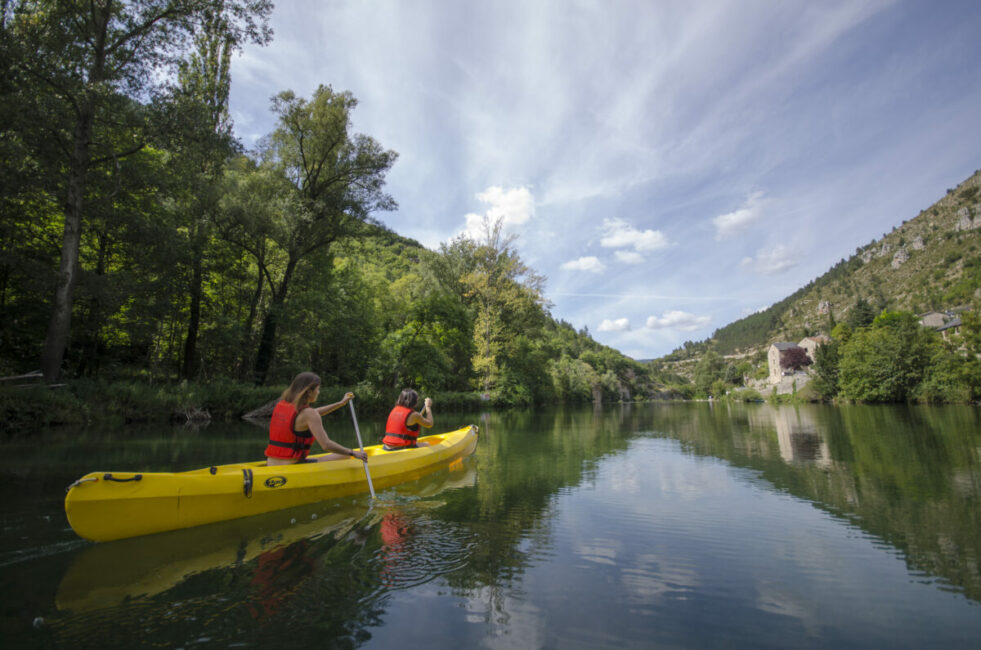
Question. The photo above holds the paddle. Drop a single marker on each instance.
(357, 431)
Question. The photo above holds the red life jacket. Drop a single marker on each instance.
(284, 440)
(397, 432)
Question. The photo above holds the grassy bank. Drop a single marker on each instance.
(93, 402)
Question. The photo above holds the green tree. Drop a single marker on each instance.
(861, 314)
(334, 181)
(708, 370)
(887, 361)
(204, 145)
(506, 295)
(825, 370)
(87, 64)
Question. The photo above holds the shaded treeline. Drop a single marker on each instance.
(140, 241)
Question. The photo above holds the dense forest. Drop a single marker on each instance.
(141, 243)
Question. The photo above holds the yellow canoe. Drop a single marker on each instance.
(107, 575)
(103, 506)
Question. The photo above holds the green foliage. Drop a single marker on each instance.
(824, 381)
(572, 379)
(887, 361)
(861, 314)
(746, 395)
(709, 370)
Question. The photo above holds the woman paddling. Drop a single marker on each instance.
(402, 428)
(295, 423)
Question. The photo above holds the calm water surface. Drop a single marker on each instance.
(662, 525)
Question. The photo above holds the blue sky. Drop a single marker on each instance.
(669, 166)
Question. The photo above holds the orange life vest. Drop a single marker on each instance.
(397, 432)
(284, 440)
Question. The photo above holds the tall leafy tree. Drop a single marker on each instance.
(507, 296)
(334, 180)
(205, 145)
(825, 369)
(90, 63)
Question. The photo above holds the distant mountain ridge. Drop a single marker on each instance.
(930, 262)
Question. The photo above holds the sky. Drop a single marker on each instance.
(669, 167)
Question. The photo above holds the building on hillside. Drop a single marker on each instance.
(953, 326)
(946, 322)
(811, 343)
(773, 358)
(933, 319)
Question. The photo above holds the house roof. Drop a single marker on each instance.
(953, 322)
(784, 345)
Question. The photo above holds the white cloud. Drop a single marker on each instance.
(732, 223)
(589, 263)
(678, 320)
(617, 233)
(513, 207)
(629, 257)
(771, 262)
(618, 325)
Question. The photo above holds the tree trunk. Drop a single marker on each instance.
(247, 335)
(267, 341)
(59, 327)
(194, 322)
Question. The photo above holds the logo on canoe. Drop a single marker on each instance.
(275, 481)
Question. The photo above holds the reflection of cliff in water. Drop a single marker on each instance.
(908, 475)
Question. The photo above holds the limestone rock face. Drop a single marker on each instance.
(918, 244)
(884, 250)
(824, 307)
(899, 258)
(867, 257)
(964, 220)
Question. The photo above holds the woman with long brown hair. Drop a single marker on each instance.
(295, 423)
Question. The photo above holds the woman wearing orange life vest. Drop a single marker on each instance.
(295, 424)
(402, 429)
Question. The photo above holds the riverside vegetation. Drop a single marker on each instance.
(151, 266)
(869, 305)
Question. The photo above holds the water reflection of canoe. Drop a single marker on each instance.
(106, 575)
(103, 506)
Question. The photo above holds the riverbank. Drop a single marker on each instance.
(91, 402)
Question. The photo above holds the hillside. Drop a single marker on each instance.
(929, 262)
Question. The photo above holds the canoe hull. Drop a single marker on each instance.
(103, 506)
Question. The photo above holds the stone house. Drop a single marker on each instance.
(811, 343)
(773, 359)
(933, 319)
(946, 322)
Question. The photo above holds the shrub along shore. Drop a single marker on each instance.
(25, 409)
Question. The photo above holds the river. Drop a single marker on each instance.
(676, 525)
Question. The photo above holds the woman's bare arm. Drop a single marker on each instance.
(311, 417)
(425, 417)
(330, 408)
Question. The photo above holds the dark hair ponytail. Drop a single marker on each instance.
(408, 398)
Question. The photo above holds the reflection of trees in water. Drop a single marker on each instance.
(525, 458)
(908, 475)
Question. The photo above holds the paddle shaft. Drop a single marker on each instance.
(357, 431)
